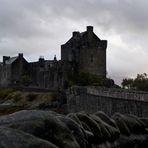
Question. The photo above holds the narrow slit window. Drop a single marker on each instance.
(91, 58)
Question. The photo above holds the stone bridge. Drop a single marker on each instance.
(109, 100)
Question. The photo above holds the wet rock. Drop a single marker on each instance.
(134, 141)
(76, 130)
(47, 129)
(95, 129)
(11, 138)
(134, 124)
(124, 130)
(45, 125)
(25, 115)
(106, 119)
(85, 128)
(109, 133)
(145, 121)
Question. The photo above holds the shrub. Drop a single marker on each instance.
(85, 78)
(32, 96)
(5, 92)
(17, 97)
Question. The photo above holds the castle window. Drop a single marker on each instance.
(91, 58)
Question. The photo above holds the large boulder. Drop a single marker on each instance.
(135, 125)
(85, 128)
(74, 117)
(109, 132)
(11, 138)
(35, 128)
(104, 132)
(93, 126)
(124, 130)
(145, 121)
(25, 115)
(138, 126)
(134, 141)
(45, 125)
(106, 118)
(76, 130)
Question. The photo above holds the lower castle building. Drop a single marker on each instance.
(82, 52)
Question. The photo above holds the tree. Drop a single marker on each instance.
(139, 83)
(127, 83)
(85, 78)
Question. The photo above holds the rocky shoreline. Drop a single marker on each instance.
(48, 129)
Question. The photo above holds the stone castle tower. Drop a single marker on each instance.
(87, 50)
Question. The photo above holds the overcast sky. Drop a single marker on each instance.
(38, 28)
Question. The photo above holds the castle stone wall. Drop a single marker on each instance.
(87, 51)
(83, 99)
(118, 93)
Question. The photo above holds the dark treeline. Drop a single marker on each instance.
(138, 83)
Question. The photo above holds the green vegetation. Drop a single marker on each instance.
(16, 97)
(5, 93)
(138, 83)
(85, 78)
(15, 100)
(127, 83)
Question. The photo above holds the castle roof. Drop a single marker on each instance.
(11, 60)
(82, 38)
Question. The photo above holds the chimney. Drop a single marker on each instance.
(41, 61)
(5, 58)
(90, 29)
(41, 58)
(55, 58)
(90, 33)
(75, 33)
(20, 55)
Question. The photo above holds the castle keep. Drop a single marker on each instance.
(87, 50)
(82, 52)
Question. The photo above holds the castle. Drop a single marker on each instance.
(82, 52)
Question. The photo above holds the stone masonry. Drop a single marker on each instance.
(83, 52)
(90, 100)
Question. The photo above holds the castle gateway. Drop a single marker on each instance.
(82, 52)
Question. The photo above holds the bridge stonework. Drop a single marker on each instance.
(90, 100)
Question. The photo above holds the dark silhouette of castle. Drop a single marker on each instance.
(83, 52)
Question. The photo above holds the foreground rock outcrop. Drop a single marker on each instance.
(47, 129)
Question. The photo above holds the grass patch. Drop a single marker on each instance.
(17, 97)
(5, 92)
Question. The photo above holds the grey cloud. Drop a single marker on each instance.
(36, 27)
